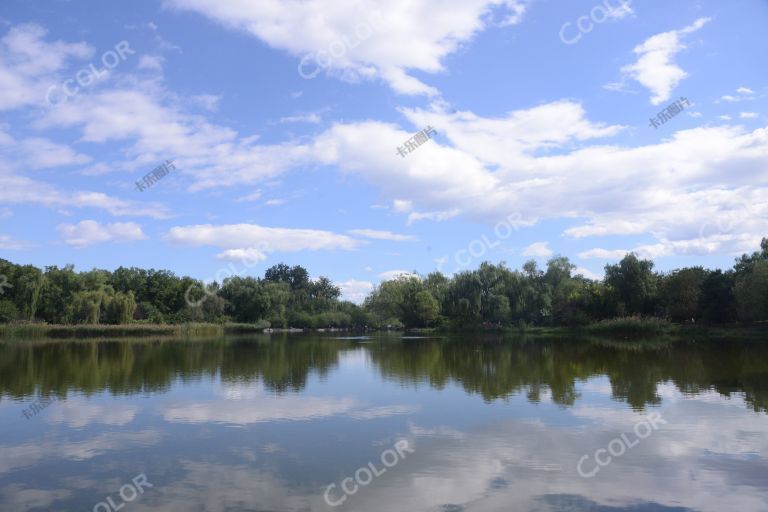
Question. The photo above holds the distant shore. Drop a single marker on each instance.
(620, 328)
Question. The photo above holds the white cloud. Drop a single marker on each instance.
(389, 275)
(78, 414)
(250, 255)
(748, 115)
(89, 232)
(538, 250)
(721, 242)
(9, 243)
(433, 216)
(37, 153)
(151, 62)
(251, 241)
(494, 171)
(382, 235)
(743, 93)
(581, 271)
(312, 117)
(384, 47)
(209, 102)
(354, 290)
(604, 254)
(253, 196)
(29, 65)
(655, 68)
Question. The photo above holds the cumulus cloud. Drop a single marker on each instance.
(363, 40)
(251, 242)
(493, 170)
(354, 290)
(581, 271)
(655, 67)
(89, 232)
(538, 250)
(29, 65)
(389, 275)
(250, 255)
(39, 153)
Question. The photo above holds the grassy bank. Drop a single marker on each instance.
(622, 328)
(31, 331)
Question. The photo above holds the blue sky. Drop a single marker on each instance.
(283, 120)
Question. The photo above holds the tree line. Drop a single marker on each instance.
(492, 294)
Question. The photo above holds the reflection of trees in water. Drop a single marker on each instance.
(494, 368)
(126, 367)
(498, 369)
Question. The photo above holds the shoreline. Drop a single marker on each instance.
(197, 330)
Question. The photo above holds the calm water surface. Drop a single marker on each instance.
(260, 424)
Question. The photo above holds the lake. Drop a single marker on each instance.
(384, 423)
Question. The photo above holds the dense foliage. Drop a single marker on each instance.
(554, 296)
(490, 295)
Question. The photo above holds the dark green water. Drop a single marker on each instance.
(488, 425)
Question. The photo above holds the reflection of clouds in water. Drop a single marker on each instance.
(224, 488)
(28, 454)
(689, 428)
(79, 413)
(441, 432)
(673, 469)
(18, 499)
(383, 412)
(244, 412)
(244, 404)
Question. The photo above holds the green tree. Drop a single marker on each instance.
(634, 284)
(751, 292)
(8, 311)
(680, 293)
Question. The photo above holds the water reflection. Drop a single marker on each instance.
(496, 424)
(494, 368)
